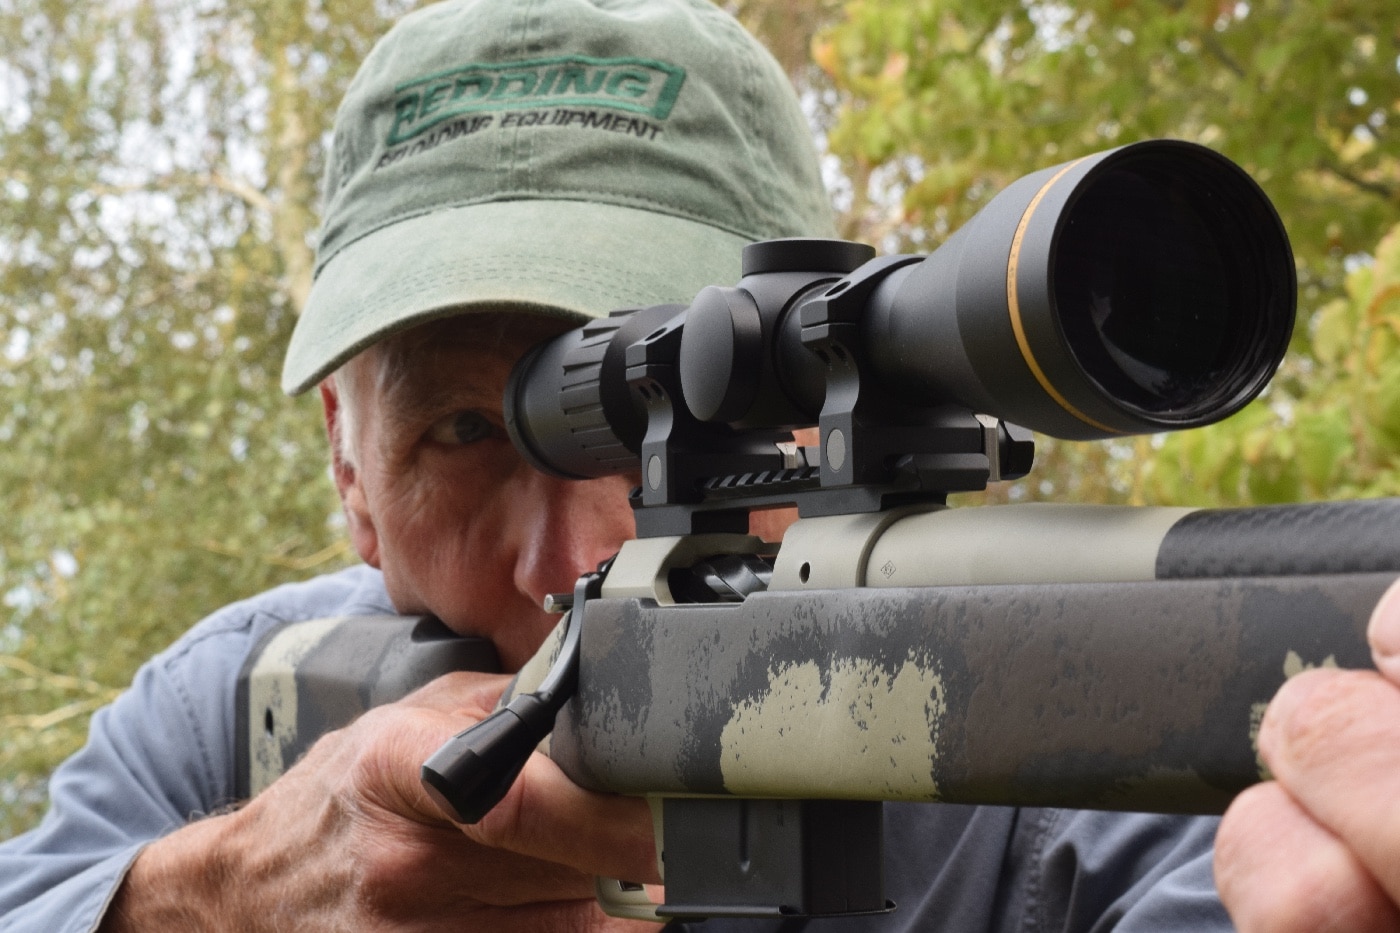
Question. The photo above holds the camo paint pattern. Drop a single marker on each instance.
(886, 725)
(274, 695)
(1117, 696)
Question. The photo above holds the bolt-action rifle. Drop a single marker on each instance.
(769, 697)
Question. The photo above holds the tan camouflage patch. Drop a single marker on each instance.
(864, 731)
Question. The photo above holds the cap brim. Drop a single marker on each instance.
(568, 258)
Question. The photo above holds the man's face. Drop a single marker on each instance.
(439, 500)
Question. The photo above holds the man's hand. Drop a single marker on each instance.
(348, 840)
(1319, 848)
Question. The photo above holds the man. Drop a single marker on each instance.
(517, 166)
(502, 169)
(1319, 847)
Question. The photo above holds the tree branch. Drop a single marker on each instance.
(57, 681)
(1211, 44)
(39, 722)
(239, 189)
(1381, 190)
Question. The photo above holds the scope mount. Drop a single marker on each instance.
(702, 476)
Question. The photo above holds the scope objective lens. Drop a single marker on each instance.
(1164, 294)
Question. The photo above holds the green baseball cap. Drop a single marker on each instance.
(567, 157)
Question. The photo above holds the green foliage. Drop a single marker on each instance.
(787, 28)
(159, 163)
(957, 99)
(944, 103)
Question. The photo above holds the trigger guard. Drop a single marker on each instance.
(625, 900)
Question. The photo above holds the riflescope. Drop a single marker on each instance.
(1142, 289)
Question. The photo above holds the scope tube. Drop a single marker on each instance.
(1142, 289)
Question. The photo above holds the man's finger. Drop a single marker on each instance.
(544, 815)
(1278, 871)
(480, 878)
(1332, 738)
(1384, 633)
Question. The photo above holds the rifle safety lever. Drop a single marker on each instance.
(474, 769)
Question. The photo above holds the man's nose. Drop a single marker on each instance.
(566, 528)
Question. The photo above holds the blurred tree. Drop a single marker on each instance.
(158, 170)
(158, 166)
(945, 103)
(787, 28)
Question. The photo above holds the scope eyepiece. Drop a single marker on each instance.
(567, 406)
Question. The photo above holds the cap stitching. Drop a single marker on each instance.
(520, 33)
(563, 269)
(575, 194)
(759, 193)
(752, 110)
(605, 288)
(529, 139)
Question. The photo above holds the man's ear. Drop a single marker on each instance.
(348, 480)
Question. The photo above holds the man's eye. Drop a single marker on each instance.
(463, 427)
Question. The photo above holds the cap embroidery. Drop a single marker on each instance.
(633, 85)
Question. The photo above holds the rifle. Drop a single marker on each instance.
(769, 698)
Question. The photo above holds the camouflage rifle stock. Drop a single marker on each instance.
(1038, 655)
(1073, 656)
(1064, 656)
(892, 649)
